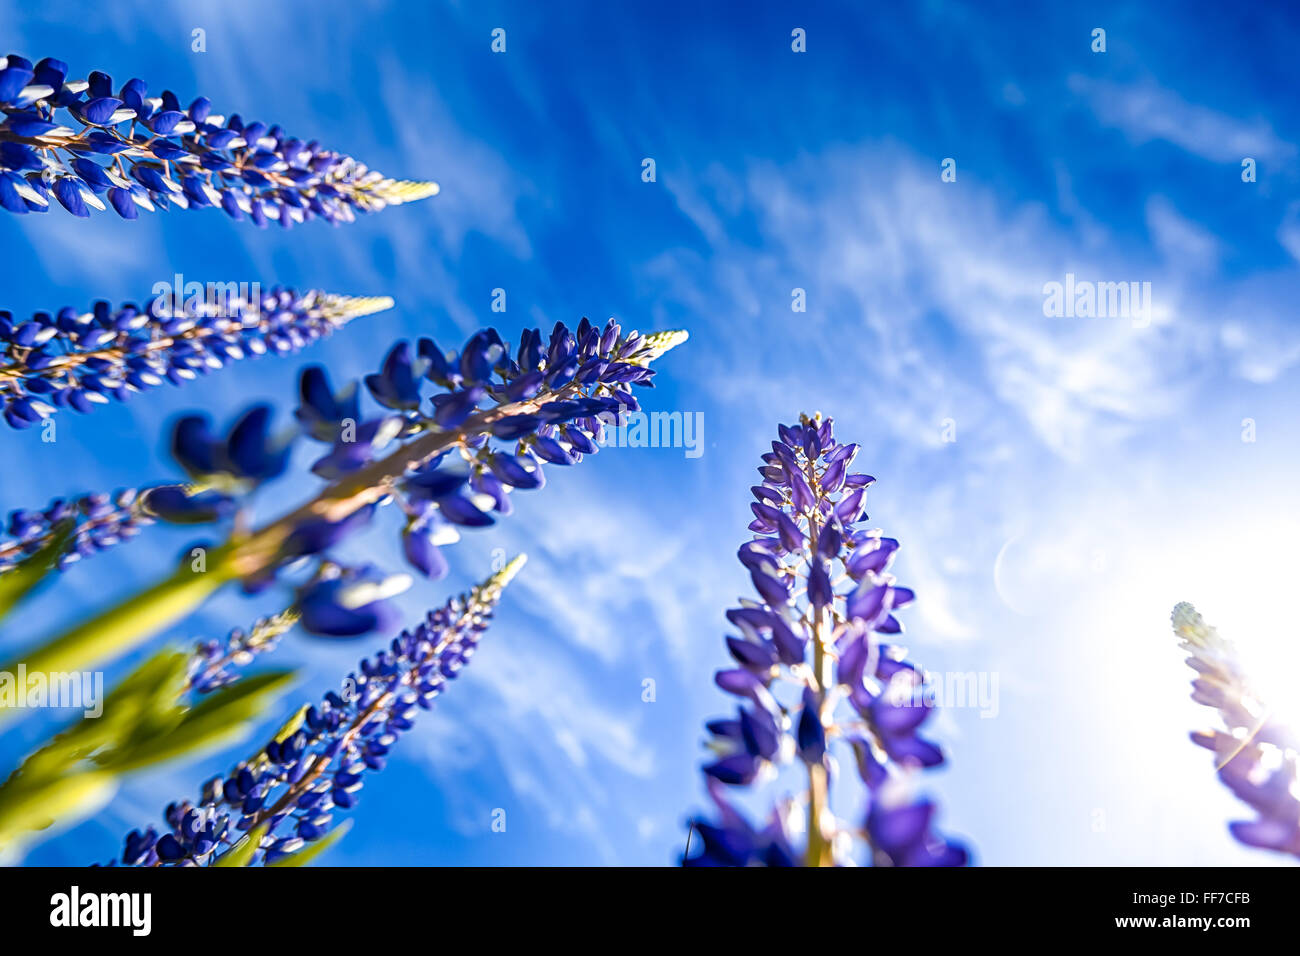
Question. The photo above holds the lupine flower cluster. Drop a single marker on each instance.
(450, 461)
(288, 793)
(99, 522)
(817, 676)
(215, 664)
(1256, 753)
(77, 141)
(455, 461)
(77, 360)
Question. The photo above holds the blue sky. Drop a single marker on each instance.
(1098, 475)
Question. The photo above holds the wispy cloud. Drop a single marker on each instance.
(909, 279)
(1146, 111)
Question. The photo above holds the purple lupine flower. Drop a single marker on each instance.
(818, 678)
(84, 145)
(449, 462)
(288, 793)
(214, 663)
(349, 602)
(447, 467)
(1256, 753)
(77, 360)
(100, 521)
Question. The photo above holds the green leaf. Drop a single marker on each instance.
(16, 583)
(313, 850)
(120, 629)
(143, 705)
(27, 808)
(151, 678)
(241, 854)
(222, 717)
(151, 698)
(287, 730)
(292, 725)
(254, 690)
(144, 721)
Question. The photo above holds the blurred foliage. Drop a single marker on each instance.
(146, 720)
(19, 582)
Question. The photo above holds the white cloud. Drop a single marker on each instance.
(935, 292)
(1145, 112)
(1185, 245)
(560, 767)
(1288, 232)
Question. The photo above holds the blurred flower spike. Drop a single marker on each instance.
(1255, 753)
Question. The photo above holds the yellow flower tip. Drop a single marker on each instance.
(1184, 613)
(276, 624)
(815, 419)
(490, 589)
(507, 574)
(395, 192)
(369, 305)
(344, 308)
(656, 344)
(1190, 626)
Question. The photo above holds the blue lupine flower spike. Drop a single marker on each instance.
(78, 360)
(818, 678)
(451, 461)
(457, 465)
(1256, 753)
(100, 521)
(215, 664)
(290, 791)
(84, 146)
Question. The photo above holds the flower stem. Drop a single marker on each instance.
(117, 630)
(819, 849)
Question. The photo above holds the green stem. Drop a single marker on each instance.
(819, 849)
(115, 631)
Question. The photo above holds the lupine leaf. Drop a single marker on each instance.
(289, 728)
(25, 809)
(138, 727)
(106, 635)
(137, 707)
(292, 724)
(19, 582)
(149, 697)
(241, 854)
(225, 715)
